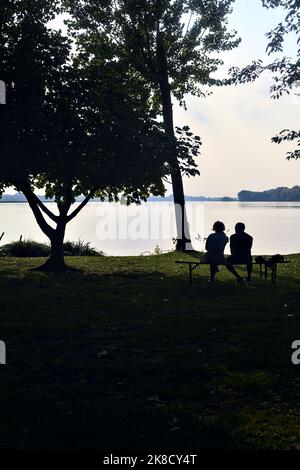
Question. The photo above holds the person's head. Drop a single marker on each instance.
(218, 227)
(240, 227)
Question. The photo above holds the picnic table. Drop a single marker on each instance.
(263, 267)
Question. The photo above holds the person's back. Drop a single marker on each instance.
(215, 246)
(240, 246)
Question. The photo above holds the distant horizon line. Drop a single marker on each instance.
(20, 198)
(281, 193)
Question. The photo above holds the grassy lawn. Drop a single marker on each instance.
(125, 354)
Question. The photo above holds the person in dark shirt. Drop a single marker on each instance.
(215, 245)
(240, 247)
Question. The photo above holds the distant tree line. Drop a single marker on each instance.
(278, 194)
(19, 197)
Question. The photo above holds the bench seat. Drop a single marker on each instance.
(194, 264)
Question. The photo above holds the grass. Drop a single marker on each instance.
(125, 354)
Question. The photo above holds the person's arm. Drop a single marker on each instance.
(231, 244)
(250, 242)
(207, 243)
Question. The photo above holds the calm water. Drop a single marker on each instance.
(118, 230)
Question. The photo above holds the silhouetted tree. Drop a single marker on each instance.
(70, 126)
(171, 47)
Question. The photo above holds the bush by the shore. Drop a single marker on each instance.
(32, 249)
(81, 248)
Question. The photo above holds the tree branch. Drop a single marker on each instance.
(81, 206)
(188, 25)
(66, 204)
(150, 58)
(33, 203)
(44, 208)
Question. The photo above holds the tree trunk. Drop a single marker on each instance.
(183, 242)
(56, 262)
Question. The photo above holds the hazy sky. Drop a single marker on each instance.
(236, 123)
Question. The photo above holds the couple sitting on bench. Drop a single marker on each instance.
(240, 247)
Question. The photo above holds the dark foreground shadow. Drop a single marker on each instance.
(134, 359)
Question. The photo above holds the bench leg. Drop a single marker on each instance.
(260, 271)
(274, 273)
(266, 271)
(191, 275)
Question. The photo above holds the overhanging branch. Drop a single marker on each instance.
(33, 203)
(45, 209)
(81, 206)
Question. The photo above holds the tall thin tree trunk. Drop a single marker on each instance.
(183, 236)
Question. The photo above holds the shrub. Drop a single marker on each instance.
(80, 248)
(157, 250)
(32, 249)
(25, 249)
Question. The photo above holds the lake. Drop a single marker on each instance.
(120, 230)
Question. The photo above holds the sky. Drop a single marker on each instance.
(236, 124)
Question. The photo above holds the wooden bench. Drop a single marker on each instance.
(263, 268)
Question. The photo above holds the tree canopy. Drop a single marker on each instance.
(194, 33)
